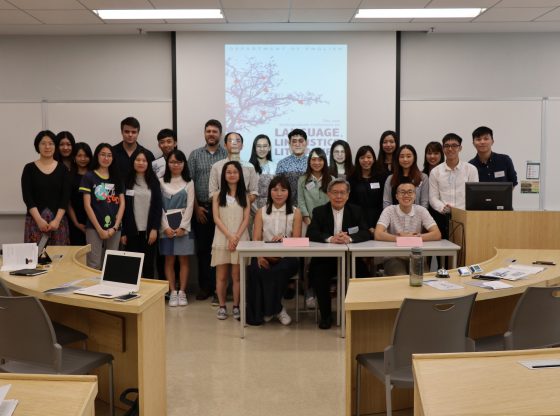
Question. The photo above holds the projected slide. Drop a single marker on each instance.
(272, 89)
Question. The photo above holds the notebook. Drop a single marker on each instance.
(120, 275)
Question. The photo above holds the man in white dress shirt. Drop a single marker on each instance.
(447, 180)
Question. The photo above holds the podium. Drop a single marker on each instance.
(479, 232)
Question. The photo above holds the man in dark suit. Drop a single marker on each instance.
(337, 223)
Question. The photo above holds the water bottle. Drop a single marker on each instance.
(416, 267)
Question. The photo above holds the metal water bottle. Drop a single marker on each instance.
(416, 267)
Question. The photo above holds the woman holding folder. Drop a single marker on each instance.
(176, 239)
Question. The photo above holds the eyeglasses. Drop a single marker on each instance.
(338, 193)
(176, 162)
(407, 193)
(294, 140)
(451, 146)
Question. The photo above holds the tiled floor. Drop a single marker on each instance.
(274, 371)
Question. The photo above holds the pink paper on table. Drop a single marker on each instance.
(295, 242)
(409, 241)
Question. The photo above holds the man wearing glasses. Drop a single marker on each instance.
(447, 180)
(234, 144)
(295, 165)
(338, 223)
(406, 219)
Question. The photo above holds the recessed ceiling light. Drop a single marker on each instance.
(417, 13)
(168, 14)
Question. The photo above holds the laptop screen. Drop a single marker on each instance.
(121, 268)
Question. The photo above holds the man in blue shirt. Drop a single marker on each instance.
(295, 165)
(492, 167)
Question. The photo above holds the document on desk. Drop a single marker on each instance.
(443, 285)
(69, 287)
(539, 364)
(19, 256)
(490, 285)
(7, 407)
(515, 272)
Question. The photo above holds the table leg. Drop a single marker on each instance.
(338, 289)
(454, 260)
(343, 298)
(353, 265)
(242, 289)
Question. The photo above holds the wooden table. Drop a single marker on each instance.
(389, 249)
(372, 305)
(133, 332)
(485, 383)
(51, 395)
(248, 249)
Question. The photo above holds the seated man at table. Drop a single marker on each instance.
(335, 222)
(405, 219)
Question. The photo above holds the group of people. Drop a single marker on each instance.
(164, 207)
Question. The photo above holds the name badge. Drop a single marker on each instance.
(310, 185)
(374, 185)
(499, 174)
(353, 230)
(130, 192)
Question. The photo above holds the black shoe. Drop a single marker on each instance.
(325, 323)
(203, 294)
(290, 293)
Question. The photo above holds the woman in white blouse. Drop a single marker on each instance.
(269, 276)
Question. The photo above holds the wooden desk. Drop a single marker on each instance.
(389, 249)
(51, 395)
(372, 305)
(133, 332)
(485, 383)
(481, 231)
(248, 249)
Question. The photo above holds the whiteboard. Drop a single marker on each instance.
(92, 122)
(20, 124)
(516, 125)
(551, 152)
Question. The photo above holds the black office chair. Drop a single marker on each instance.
(422, 326)
(28, 344)
(534, 323)
(64, 334)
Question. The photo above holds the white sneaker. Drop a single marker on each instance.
(283, 317)
(310, 302)
(173, 298)
(222, 313)
(236, 313)
(183, 298)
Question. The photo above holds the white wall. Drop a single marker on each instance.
(99, 79)
(505, 78)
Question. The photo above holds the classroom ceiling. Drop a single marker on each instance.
(65, 17)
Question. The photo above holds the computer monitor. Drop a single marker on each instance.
(488, 196)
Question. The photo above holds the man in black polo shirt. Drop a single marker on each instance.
(124, 152)
(492, 167)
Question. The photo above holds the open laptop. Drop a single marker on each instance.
(120, 275)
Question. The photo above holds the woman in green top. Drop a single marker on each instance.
(312, 186)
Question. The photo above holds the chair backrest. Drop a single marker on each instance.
(4, 290)
(431, 326)
(27, 332)
(535, 322)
